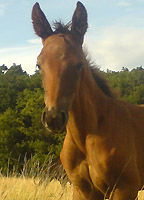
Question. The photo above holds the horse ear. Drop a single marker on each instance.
(79, 21)
(41, 25)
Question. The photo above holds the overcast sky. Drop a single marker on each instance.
(115, 37)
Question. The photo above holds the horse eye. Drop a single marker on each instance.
(79, 66)
(38, 67)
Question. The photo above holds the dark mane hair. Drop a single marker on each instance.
(59, 27)
(99, 78)
(101, 82)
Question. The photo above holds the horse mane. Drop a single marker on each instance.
(59, 27)
(99, 77)
(101, 81)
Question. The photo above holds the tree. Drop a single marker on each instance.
(3, 69)
(21, 131)
(13, 81)
(129, 83)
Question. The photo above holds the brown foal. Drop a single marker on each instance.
(103, 149)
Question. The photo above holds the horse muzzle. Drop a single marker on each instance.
(53, 120)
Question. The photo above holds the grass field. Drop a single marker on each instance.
(13, 188)
(35, 183)
(29, 189)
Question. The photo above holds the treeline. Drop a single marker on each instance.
(22, 136)
(129, 84)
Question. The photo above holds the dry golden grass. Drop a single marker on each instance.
(13, 188)
(141, 195)
(38, 183)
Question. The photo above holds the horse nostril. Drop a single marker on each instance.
(54, 120)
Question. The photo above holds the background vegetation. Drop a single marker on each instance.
(22, 136)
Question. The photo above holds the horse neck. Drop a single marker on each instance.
(87, 107)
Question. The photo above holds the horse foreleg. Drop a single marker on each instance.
(122, 194)
(93, 195)
(128, 185)
(77, 194)
(125, 191)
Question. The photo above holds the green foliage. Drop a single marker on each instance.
(22, 135)
(12, 82)
(130, 84)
